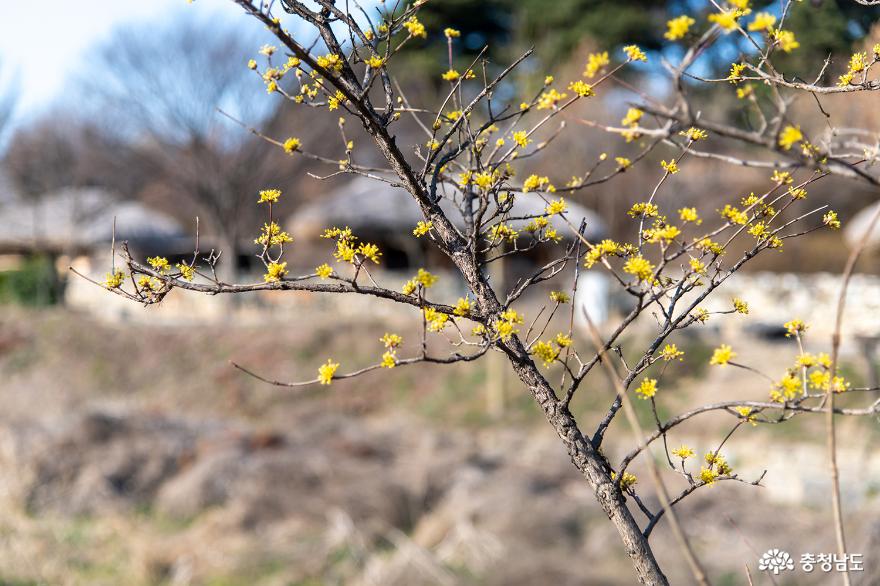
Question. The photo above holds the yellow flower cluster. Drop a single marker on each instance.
(678, 27)
(327, 371)
(790, 136)
(505, 324)
(272, 235)
(159, 264)
(670, 352)
(422, 279)
(683, 452)
(114, 280)
(648, 388)
(605, 248)
(627, 481)
(559, 297)
(763, 21)
(595, 63)
(722, 355)
(639, 267)
(269, 195)
(275, 271)
(634, 53)
(391, 343)
(415, 28)
(324, 271)
(188, 272)
(422, 228)
(435, 320)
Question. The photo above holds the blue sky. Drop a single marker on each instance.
(42, 44)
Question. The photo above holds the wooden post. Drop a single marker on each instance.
(496, 367)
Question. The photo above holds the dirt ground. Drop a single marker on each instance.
(137, 455)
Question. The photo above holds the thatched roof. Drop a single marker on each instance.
(8, 192)
(855, 229)
(79, 219)
(368, 205)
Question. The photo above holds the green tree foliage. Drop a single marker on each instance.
(557, 28)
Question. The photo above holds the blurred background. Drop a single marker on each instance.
(133, 453)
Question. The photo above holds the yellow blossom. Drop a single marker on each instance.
(634, 53)
(292, 144)
(740, 306)
(725, 19)
(559, 297)
(422, 228)
(736, 71)
(708, 476)
(678, 27)
(556, 207)
(786, 40)
(451, 33)
(327, 371)
(415, 28)
(689, 215)
(324, 271)
(671, 352)
(795, 327)
(683, 452)
(451, 75)
(643, 209)
(632, 118)
(722, 355)
(159, 263)
(763, 21)
(546, 351)
(114, 279)
(389, 360)
(269, 195)
(375, 62)
(533, 183)
(627, 481)
(671, 167)
(273, 235)
(186, 271)
(790, 136)
(648, 388)
(595, 63)
(694, 134)
(583, 90)
(830, 219)
(462, 307)
(275, 271)
(549, 99)
(521, 138)
(562, 340)
(639, 267)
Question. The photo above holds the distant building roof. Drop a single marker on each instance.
(80, 218)
(8, 192)
(855, 229)
(367, 204)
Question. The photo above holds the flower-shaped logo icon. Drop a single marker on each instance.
(775, 560)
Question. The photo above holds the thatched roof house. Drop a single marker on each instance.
(381, 213)
(79, 220)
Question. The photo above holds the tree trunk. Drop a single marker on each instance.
(595, 470)
(583, 455)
